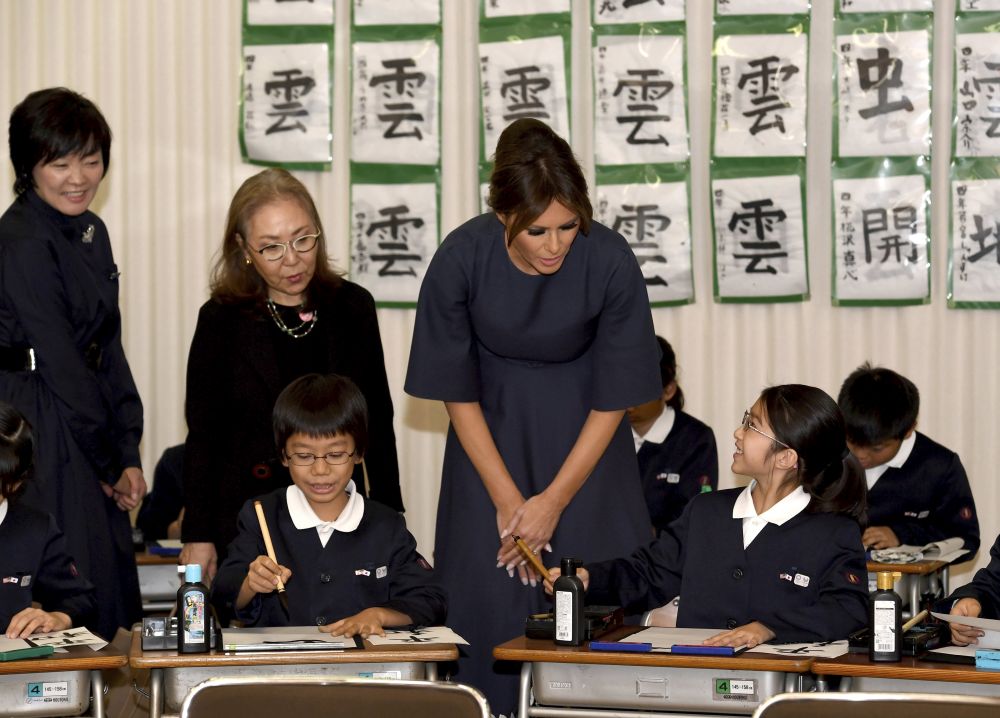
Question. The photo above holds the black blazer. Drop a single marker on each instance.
(232, 383)
(805, 579)
(35, 565)
(376, 565)
(985, 587)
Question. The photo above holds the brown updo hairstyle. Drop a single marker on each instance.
(233, 280)
(532, 167)
(17, 446)
(809, 421)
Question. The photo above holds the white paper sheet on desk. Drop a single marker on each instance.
(12, 644)
(428, 634)
(663, 638)
(823, 649)
(283, 638)
(989, 626)
(69, 637)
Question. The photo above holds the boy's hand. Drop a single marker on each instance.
(750, 635)
(962, 635)
(365, 623)
(202, 553)
(263, 574)
(879, 537)
(35, 620)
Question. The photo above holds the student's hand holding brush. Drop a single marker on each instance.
(263, 576)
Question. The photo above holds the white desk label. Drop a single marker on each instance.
(51, 692)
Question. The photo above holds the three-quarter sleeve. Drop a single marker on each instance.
(444, 362)
(626, 356)
(206, 407)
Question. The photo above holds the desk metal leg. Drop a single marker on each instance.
(945, 579)
(822, 686)
(914, 596)
(524, 694)
(97, 694)
(431, 671)
(155, 692)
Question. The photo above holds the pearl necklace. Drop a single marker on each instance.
(309, 320)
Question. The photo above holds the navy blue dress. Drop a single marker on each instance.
(538, 352)
(59, 296)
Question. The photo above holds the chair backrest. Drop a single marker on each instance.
(331, 697)
(878, 705)
(665, 616)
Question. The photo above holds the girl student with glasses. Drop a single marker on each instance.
(278, 310)
(780, 560)
(346, 564)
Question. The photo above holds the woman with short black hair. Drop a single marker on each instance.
(61, 359)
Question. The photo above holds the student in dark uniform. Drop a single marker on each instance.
(278, 311)
(35, 565)
(349, 565)
(979, 598)
(780, 560)
(61, 358)
(534, 329)
(162, 509)
(676, 452)
(917, 489)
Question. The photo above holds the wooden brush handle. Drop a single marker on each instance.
(267, 539)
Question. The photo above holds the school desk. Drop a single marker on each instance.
(173, 674)
(60, 684)
(908, 675)
(158, 581)
(914, 573)
(571, 682)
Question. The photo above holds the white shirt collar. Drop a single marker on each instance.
(905, 449)
(3, 510)
(660, 429)
(753, 523)
(303, 517)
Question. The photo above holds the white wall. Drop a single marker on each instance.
(165, 73)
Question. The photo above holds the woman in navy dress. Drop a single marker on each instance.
(533, 327)
(61, 358)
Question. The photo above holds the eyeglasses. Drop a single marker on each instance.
(747, 425)
(334, 458)
(276, 251)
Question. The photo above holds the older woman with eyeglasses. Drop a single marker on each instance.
(278, 310)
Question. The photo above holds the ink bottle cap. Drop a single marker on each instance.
(568, 566)
(192, 573)
(886, 580)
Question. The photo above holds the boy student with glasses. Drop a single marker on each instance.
(347, 565)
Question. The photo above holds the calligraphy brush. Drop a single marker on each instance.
(282, 596)
(533, 559)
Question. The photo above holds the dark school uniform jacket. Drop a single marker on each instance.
(805, 579)
(233, 379)
(681, 467)
(927, 499)
(377, 564)
(985, 586)
(35, 565)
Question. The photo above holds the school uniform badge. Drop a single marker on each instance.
(362, 572)
(801, 580)
(381, 572)
(852, 578)
(12, 579)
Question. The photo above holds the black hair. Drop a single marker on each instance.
(321, 405)
(808, 420)
(533, 167)
(52, 123)
(17, 445)
(878, 405)
(668, 373)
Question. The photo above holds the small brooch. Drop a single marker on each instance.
(88, 234)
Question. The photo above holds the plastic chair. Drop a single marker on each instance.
(880, 705)
(331, 697)
(665, 616)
